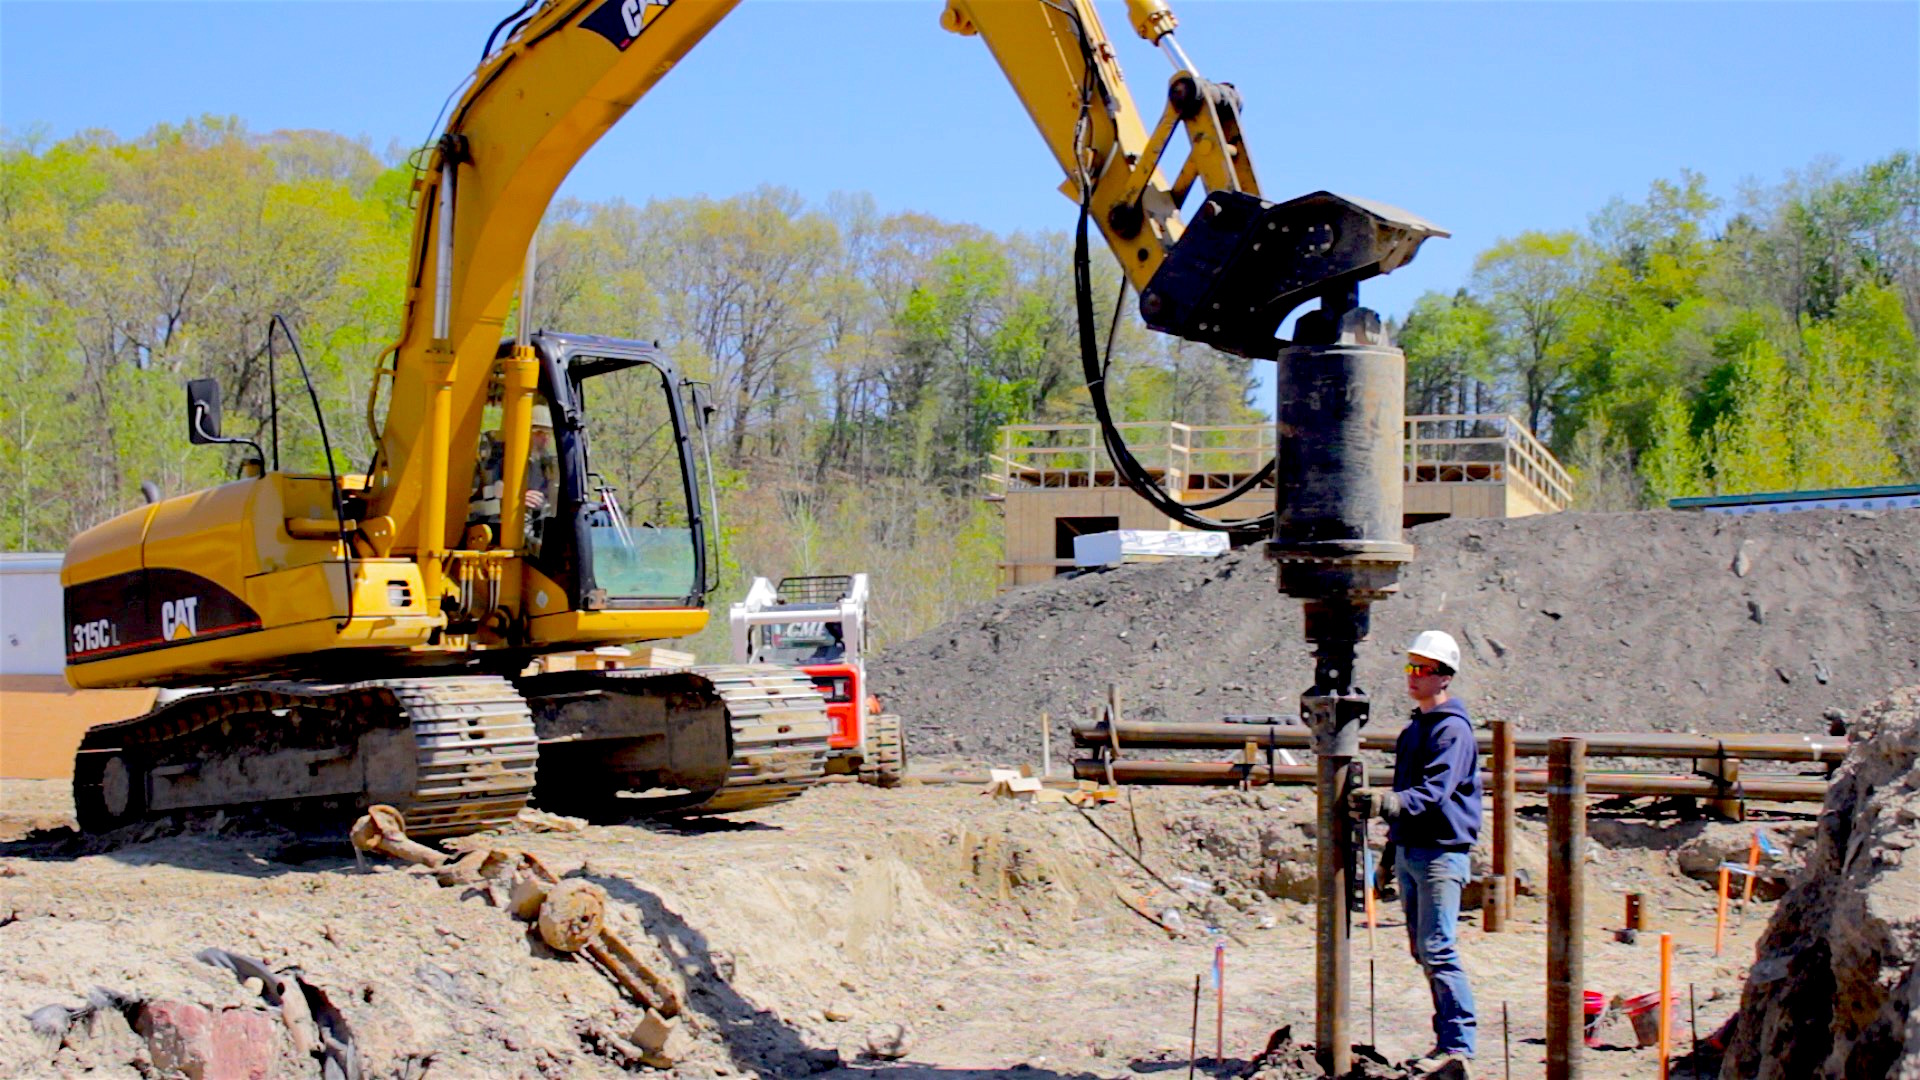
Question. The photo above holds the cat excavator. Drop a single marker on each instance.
(330, 640)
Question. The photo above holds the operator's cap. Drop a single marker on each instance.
(542, 416)
(1437, 645)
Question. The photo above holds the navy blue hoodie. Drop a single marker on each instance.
(1436, 773)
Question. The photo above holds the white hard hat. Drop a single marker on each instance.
(1437, 645)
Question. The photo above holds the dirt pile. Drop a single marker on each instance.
(1655, 621)
(1835, 990)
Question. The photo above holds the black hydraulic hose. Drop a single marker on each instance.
(273, 400)
(326, 447)
(1124, 463)
(523, 9)
(1129, 469)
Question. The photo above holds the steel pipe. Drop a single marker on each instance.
(1290, 736)
(1532, 781)
(1566, 907)
(1503, 791)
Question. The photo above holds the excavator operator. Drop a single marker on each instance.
(543, 464)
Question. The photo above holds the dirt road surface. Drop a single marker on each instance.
(1005, 938)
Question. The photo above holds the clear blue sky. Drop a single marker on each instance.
(1489, 118)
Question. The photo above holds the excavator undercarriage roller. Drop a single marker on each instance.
(709, 740)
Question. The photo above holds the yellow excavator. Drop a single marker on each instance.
(335, 640)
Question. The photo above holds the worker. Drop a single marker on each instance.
(1433, 815)
(483, 506)
(543, 465)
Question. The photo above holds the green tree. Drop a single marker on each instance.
(1532, 284)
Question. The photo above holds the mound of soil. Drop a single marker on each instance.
(1835, 986)
(1654, 621)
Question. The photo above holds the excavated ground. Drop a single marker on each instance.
(966, 936)
(1005, 938)
(1654, 621)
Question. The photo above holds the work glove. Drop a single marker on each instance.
(1368, 803)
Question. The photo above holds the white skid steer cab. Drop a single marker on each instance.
(819, 625)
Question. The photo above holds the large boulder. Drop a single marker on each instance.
(1833, 990)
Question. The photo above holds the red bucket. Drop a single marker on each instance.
(1595, 1006)
(1644, 1011)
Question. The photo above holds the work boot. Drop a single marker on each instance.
(1441, 1066)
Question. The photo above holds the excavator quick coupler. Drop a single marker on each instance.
(1244, 264)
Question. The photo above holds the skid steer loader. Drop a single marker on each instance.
(819, 625)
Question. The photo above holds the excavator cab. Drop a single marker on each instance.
(623, 526)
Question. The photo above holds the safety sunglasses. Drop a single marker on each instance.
(1423, 669)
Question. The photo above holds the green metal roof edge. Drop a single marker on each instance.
(1698, 502)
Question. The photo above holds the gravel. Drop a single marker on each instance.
(1652, 621)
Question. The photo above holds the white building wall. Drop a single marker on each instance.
(32, 624)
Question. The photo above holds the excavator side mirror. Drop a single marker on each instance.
(203, 411)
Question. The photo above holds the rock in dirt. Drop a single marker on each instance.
(191, 1040)
(1834, 991)
(1701, 856)
(888, 1042)
(1558, 593)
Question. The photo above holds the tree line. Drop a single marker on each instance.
(1684, 344)
(862, 361)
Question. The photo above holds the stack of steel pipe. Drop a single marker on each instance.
(1229, 773)
(1234, 735)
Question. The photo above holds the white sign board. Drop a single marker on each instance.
(1123, 545)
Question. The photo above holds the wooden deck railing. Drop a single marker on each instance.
(1449, 448)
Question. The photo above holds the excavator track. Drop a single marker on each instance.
(779, 725)
(458, 755)
(704, 740)
(455, 755)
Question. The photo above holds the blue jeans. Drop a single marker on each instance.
(1430, 884)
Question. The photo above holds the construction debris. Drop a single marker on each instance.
(569, 914)
(661, 1041)
(1022, 786)
(540, 821)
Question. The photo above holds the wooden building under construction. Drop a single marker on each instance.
(1056, 482)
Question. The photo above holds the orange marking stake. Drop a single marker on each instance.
(1753, 868)
(1720, 920)
(1666, 997)
(1371, 909)
(1219, 1004)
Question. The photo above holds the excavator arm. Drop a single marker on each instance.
(572, 68)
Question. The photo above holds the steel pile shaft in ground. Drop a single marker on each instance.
(1533, 781)
(1217, 735)
(1566, 907)
(1502, 790)
(1333, 975)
